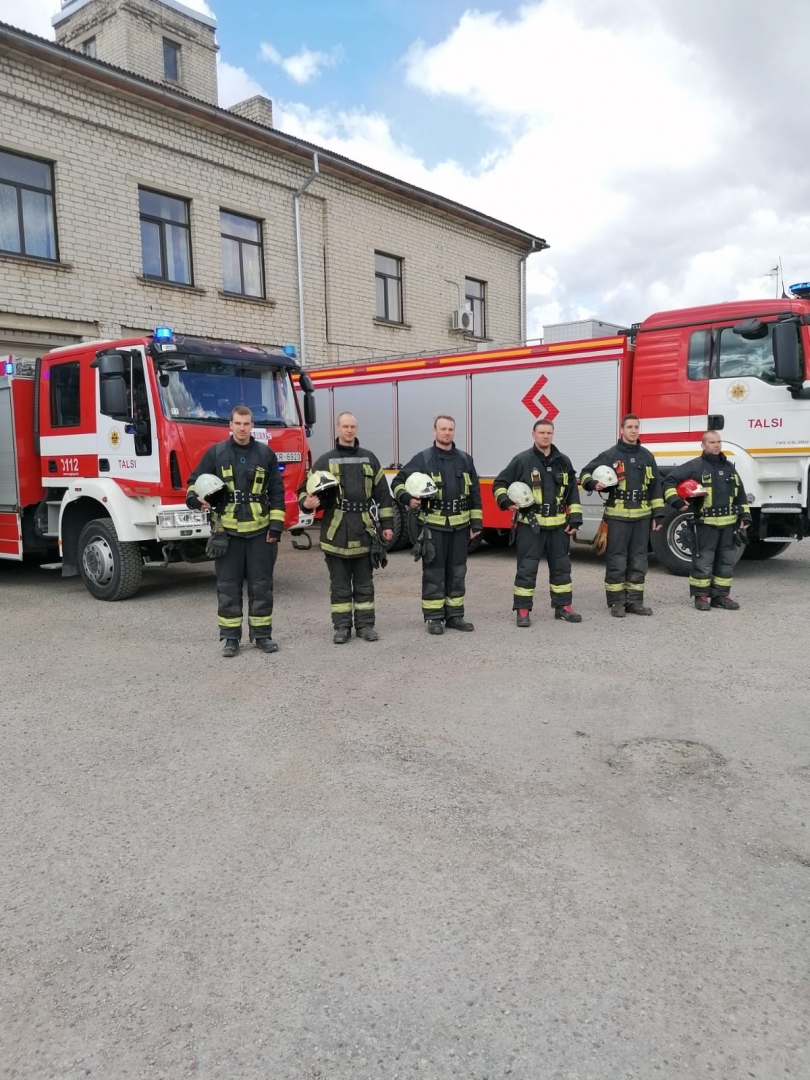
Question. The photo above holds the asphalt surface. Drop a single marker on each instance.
(574, 852)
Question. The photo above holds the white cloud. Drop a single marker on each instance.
(303, 66)
(644, 142)
(235, 84)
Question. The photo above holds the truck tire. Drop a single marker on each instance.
(762, 549)
(672, 544)
(110, 569)
(399, 527)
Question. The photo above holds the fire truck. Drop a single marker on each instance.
(739, 367)
(97, 441)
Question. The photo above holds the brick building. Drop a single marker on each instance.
(129, 199)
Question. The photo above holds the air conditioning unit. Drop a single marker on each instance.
(463, 320)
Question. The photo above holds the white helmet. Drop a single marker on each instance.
(207, 485)
(520, 494)
(603, 474)
(420, 486)
(320, 481)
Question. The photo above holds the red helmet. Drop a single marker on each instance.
(691, 489)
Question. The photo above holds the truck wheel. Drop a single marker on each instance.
(110, 570)
(672, 544)
(400, 529)
(762, 549)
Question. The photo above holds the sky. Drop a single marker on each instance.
(661, 147)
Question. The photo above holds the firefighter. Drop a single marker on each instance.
(716, 497)
(452, 517)
(629, 475)
(349, 534)
(544, 526)
(245, 531)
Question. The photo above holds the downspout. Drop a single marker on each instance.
(536, 247)
(299, 259)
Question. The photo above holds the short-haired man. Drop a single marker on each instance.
(347, 529)
(253, 519)
(718, 515)
(453, 516)
(632, 504)
(545, 527)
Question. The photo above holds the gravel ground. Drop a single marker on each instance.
(566, 852)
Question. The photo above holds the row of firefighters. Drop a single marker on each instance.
(239, 482)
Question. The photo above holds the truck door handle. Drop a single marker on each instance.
(718, 422)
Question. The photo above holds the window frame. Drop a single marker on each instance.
(399, 260)
(162, 223)
(55, 425)
(482, 300)
(90, 47)
(262, 295)
(19, 186)
(176, 49)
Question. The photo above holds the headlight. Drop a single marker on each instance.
(181, 519)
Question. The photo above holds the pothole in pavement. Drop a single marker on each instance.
(668, 757)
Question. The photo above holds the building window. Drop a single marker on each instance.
(27, 223)
(242, 256)
(388, 281)
(171, 60)
(475, 295)
(165, 237)
(65, 403)
(89, 48)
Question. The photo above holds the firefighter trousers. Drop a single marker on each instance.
(443, 578)
(531, 547)
(352, 585)
(626, 566)
(713, 566)
(253, 558)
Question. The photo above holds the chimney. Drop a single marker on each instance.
(259, 109)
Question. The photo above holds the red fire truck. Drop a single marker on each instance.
(97, 441)
(739, 367)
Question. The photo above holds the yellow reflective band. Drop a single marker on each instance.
(433, 605)
(634, 585)
(723, 582)
(340, 608)
(498, 491)
(454, 601)
(260, 620)
(365, 605)
(611, 586)
(476, 515)
(355, 552)
(276, 515)
(574, 508)
(386, 512)
(398, 488)
(719, 522)
(657, 504)
(520, 591)
(669, 492)
(700, 582)
(230, 623)
(561, 588)
(584, 476)
(631, 514)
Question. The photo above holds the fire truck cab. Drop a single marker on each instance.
(97, 441)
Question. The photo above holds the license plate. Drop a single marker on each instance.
(288, 455)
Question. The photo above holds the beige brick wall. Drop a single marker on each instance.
(105, 144)
(130, 33)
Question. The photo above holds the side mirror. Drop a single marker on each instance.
(309, 408)
(751, 329)
(112, 387)
(787, 359)
(109, 363)
(305, 383)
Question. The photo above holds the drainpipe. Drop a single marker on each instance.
(536, 247)
(299, 259)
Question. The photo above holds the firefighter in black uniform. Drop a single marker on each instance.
(347, 529)
(633, 504)
(546, 526)
(453, 517)
(718, 517)
(252, 517)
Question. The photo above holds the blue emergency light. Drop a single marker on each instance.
(802, 290)
(288, 350)
(8, 367)
(163, 335)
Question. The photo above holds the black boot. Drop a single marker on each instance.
(523, 617)
(435, 626)
(725, 602)
(637, 609)
(342, 635)
(266, 645)
(617, 611)
(458, 623)
(567, 614)
(366, 633)
(702, 603)
(230, 646)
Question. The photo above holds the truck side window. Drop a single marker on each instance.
(64, 395)
(737, 357)
(139, 399)
(700, 352)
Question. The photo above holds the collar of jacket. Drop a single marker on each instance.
(443, 449)
(553, 452)
(714, 459)
(341, 449)
(241, 446)
(630, 447)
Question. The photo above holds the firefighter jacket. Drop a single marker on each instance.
(554, 483)
(254, 501)
(725, 504)
(347, 526)
(457, 503)
(639, 493)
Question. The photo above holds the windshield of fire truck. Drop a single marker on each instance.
(210, 387)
